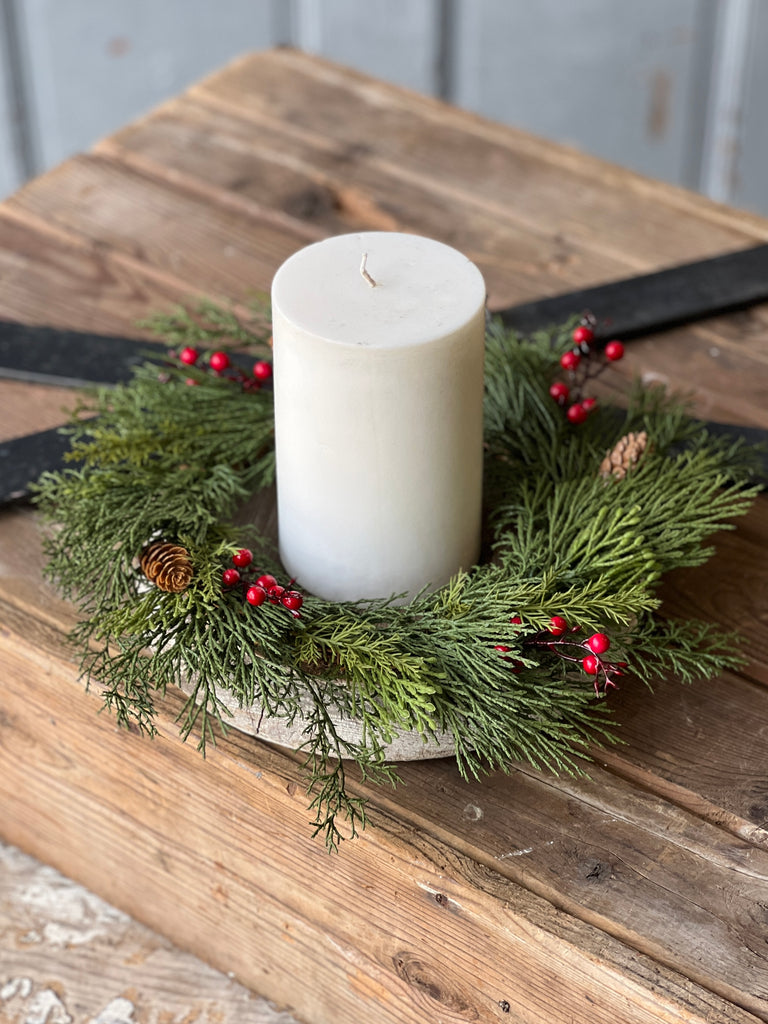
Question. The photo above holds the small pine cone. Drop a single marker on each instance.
(624, 455)
(167, 565)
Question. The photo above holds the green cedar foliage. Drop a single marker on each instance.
(166, 458)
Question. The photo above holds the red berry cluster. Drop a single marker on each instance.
(587, 653)
(579, 363)
(221, 365)
(258, 589)
(592, 662)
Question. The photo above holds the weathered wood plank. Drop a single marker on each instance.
(673, 928)
(228, 842)
(594, 204)
(709, 740)
(337, 198)
(218, 251)
(188, 145)
(68, 956)
(736, 591)
(60, 279)
(10, 163)
(655, 876)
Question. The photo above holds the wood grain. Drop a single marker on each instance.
(652, 872)
(638, 894)
(68, 956)
(229, 842)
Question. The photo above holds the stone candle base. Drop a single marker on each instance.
(407, 746)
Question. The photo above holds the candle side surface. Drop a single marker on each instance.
(378, 443)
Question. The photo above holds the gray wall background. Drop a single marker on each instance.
(676, 89)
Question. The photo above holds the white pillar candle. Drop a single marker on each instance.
(378, 414)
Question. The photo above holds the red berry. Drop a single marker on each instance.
(502, 648)
(242, 558)
(590, 664)
(570, 360)
(266, 581)
(275, 594)
(559, 392)
(219, 361)
(589, 404)
(614, 350)
(599, 643)
(557, 625)
(577, 413)
(191, 382)
(516, 620)
(229, 577)
(262, 370)
(583, 335)
(189, 356)
(256, 596)
(292, 600)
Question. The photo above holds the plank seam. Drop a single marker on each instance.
(500, 211)
(556, 155)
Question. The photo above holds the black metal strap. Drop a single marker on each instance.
(24, 459)
(656, 302)
(625, 309)
(48, 355)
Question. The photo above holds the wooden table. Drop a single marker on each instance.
(638, 895)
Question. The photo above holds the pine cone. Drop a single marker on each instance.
(624, 455)
(167, 565)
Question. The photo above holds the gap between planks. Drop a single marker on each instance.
(575, 161)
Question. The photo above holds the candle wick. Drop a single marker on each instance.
(365, 273)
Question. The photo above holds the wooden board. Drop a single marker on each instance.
(639, 894)
(67, 956)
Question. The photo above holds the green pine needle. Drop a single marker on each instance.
(163, 458)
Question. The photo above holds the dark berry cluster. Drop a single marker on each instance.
(588, 653)
(220, 364)
(581, 365)
(258, 588)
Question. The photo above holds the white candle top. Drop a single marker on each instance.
(423, 290)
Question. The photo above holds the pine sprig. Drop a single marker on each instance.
(173, 454)
(212, 326)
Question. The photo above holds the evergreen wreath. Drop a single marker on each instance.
(587, 507)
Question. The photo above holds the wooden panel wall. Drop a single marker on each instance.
(11, 172)
(622, 81)
(749, 184)
(91, 66)
(398, 40)
(676, 89)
